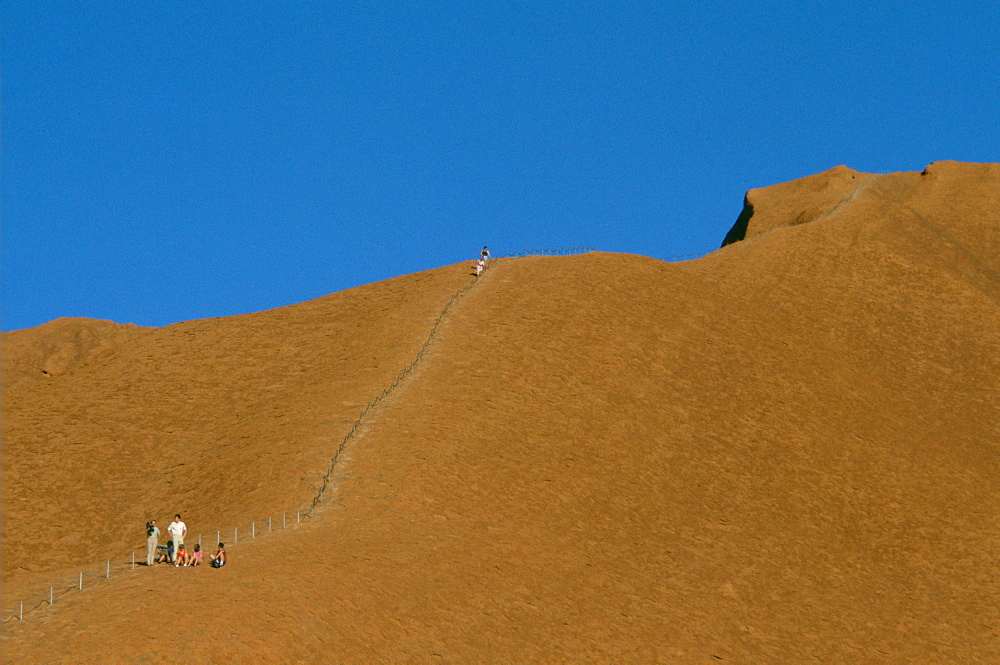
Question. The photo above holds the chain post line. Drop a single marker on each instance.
(353, 433)
(105, 570)
(356, 425)
(547, 251)
(387, 392)
(57, 592)
(686, 257)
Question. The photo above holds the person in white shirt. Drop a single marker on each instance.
(178, 530)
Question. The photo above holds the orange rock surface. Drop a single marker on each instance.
(786, 451)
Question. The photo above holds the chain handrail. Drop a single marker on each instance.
(109, 569)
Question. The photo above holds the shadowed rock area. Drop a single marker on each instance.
(787, 451)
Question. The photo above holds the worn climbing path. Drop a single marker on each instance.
(360, 426)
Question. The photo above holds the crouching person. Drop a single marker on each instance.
(219, 558)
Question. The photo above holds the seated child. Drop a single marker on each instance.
(195, 558)
(165, 554)
(219, 558)
(182, 557)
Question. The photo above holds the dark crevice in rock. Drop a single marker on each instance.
(739, 230)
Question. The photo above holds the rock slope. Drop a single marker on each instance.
(785, 451)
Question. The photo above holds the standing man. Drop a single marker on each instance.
(178, 530)
(152, 541)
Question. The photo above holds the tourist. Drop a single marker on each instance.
(219, 558)
(178, 530)
(152, 541)
(166, 554)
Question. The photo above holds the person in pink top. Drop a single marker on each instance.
(196, 557)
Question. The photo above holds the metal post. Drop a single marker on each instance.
(269, 524)
(282, 520)
(81, 580)
(107, 571)
(253, 530)
(133, 560)
(199, 541)
(297, 517)
(21, 613)
(235, 535)
(50, 595)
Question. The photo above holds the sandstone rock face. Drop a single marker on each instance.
(785, 451)
(951, 190)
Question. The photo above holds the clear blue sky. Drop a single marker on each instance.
(176, 160)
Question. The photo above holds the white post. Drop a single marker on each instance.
(50, 595)
(269, 524)
(282, 520)
(81, 580)
(199, 541)
(21, 613)
(133, 560)
(235, 535)
(107, 571)
(253, 530)
(218, 536)
(297, 517)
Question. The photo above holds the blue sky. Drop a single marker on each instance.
(169, 161)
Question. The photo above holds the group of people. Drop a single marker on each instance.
(484, 256)
(175, 552)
